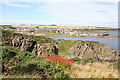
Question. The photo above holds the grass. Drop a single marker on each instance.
(64, 46)
(22, 31)
(94, 70)
(116, 65)
(49, 32)
(45, 32)
(21, 64)
(23, 76)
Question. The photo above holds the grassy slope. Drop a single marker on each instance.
(64, 46)
(23, 64)
(90, 68)
(7, 35)
(94, 70)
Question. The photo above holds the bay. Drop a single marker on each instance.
(111, 42)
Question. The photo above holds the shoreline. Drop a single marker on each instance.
(107, 37)
(70, 36)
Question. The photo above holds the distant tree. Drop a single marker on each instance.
(87, 29)
(31, 31)
(37, 26)
(11, 27)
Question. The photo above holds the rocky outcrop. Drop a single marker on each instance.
(28, 44)
(93, 50)
(96, 51)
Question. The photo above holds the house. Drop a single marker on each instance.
(83, 34)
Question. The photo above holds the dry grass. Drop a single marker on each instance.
(94, 70)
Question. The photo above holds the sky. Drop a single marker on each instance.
(98, 13)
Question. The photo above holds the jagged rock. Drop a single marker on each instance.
(93, 50)
(55, 49)
(82, 50)
(96, 51)
(27, 44)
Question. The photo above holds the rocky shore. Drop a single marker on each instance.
(108, 37)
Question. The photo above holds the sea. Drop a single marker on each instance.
(115, 43)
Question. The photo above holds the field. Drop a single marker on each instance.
(67, 27)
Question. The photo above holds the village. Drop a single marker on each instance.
(57, 31)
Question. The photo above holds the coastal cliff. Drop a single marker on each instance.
(41, 46)
(96, 51)
(28, 44)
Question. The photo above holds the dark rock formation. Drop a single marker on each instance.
(96, 51)
(28, 44)
(55, 49)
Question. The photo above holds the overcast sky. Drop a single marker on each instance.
(101, 13)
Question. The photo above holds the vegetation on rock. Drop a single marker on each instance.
(22, 63)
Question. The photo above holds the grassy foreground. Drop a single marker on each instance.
(94, 70)
(22, 64)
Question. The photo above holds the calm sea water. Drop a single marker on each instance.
(111, 42)
(114, 34)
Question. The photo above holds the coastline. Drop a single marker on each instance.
(107, 37)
